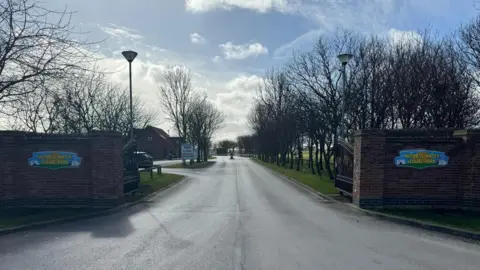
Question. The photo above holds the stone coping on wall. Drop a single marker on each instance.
(56, 135)
(419, 132)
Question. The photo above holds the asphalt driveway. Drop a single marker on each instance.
(235, 215)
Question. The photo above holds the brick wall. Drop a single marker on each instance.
(378, 182)
(97, 182)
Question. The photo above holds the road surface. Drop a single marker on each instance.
(235, 215)
(167, 162)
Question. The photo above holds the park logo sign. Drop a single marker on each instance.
(421, 159)
(54, 160)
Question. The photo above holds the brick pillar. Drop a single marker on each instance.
(7, 183)
(368, 172)
(469, 186)
(107, 169)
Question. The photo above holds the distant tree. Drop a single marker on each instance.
(228, 145)
(204, 120)
(246, 144)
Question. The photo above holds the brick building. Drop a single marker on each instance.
(154, 141)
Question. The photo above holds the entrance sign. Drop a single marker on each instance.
(54, 160)
(421, 159)
(187, 151)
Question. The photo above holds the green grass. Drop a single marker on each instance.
(193, 166)
(465, 220)
(17, 217)
(212, 157)
(321, 184)
(150, 185)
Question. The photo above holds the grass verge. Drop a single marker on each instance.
(212, 157)
(321, 184)
(193, 166)
(17, 217)
(150, 185)
(458, 219)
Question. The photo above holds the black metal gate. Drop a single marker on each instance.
(131, 176)
(344, 167)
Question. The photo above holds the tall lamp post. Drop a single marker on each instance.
(343, 58)
(130, 56)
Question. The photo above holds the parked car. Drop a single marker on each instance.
(144, 160)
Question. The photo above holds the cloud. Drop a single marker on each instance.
(231, 91)
(242, 51)
(259, 6)
(302, 43)
(398, 36)
(236, 103)
(245, 83)
(197, 38)
(122, 32)
(362, 16)
(216, 59)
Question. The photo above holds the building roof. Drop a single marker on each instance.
(162, 134)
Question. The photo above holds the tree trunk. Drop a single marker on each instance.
(322, 152)
(299, 149)
(310, 155)
(198, 153)
(328, 167)
(205, 153)
(291, 159)
(317, 164)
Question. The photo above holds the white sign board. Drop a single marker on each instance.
(187, 151)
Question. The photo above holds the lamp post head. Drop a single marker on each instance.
(129, 55)
(344, 58)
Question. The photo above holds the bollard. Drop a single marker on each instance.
(159, 170)
(151, 173)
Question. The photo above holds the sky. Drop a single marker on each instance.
(228, 44)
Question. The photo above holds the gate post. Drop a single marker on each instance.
(368, 173)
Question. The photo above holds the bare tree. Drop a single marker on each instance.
(36, 45)
(176, 97)
(422, 83)
(81, 104)
(205, 119)
(39, 111)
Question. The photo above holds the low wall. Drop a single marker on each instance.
(378, 180)
(92, 177)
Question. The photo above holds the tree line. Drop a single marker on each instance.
(50, 82)
(426, 82)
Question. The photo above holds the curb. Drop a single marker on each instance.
(307, 188)
(89, 215)
(421, 224)
(212, 162)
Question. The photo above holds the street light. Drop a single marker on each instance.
(130, 56)
(343, 58)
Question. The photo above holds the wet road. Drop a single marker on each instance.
(167, 162)
(235, 215)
